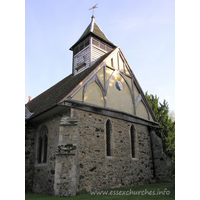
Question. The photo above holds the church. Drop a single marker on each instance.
(94, 129)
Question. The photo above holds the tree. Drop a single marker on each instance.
(172, 115)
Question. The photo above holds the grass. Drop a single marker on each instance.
(157, 187)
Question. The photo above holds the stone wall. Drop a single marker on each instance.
(76, 156)
(96, 170)
(44, 173)
(40, 177)
(162, 162)
(29, 156)
(65, 175)
(66, 157)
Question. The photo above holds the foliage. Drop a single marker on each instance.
(172, 115)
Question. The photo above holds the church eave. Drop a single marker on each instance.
(109, 112)
(44, 111)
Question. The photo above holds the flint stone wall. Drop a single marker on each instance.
(40, 177)
(162, 162)
(96, 170)
(66, 174)
(29, 156)
(86, 166)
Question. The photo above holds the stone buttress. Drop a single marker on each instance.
(66, 176)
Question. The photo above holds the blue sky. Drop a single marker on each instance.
(144, 30)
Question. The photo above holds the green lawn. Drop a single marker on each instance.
(149, 189)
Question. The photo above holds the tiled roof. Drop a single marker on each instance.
(96, 31)
(56, 93)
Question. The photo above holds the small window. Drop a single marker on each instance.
(40, 149)
(42, 145)
(45, 149)
(112, 62)
(119, 85)
(133, 141)
(124, 66)
(108, 138)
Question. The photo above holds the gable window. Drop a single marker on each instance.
(133, 141)
(108, 138)
(42, 145)
(112, 63)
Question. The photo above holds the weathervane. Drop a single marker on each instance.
(93, 9)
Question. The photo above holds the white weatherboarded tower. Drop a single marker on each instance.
(90, 46)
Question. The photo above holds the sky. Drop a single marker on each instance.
(144, 30)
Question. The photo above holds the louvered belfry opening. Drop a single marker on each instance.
(108, 138)
(102, 45)
(82, 45)
(133, 141)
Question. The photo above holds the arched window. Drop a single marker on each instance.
(133, 141)
(40, 149)
(42, 145)
(108, 138)
(45, 149)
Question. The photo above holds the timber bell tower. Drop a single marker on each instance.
(90, 47)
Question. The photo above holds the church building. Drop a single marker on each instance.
(94, 129)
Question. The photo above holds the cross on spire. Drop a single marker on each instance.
(93, 9)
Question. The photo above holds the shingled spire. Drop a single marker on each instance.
(90, 46)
